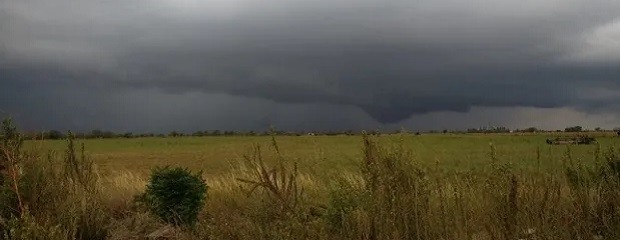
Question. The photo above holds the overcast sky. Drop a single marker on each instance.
(161, 65)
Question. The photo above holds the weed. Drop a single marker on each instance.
(279, 182)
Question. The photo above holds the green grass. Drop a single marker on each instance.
(325, 154)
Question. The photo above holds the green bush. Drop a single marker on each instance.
(175, 195)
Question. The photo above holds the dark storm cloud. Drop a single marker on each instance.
(391, 59)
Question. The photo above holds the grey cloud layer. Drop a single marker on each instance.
(390, 58)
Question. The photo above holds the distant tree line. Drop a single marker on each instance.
(574, 129)
(489, 130)
(525, 130)
(101, 134)
(55, 134)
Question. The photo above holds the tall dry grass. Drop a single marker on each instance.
(399, 200)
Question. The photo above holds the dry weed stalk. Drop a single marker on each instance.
(279, 181)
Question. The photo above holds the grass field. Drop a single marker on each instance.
(327, 154)
(401, 186)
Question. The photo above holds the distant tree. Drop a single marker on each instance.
(147, 135)
(79, 135)
(598, 129)
(500, 130)
(573, 129)
(473, 130)
(445, 131)
(96, 133)
(54, 134)
(198, 134)
(174, 134)
(108, 134)
(128, 135)
(216, 133)
(530, 129)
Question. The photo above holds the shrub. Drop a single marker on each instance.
(175, 195)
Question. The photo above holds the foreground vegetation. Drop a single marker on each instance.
(389, 187)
